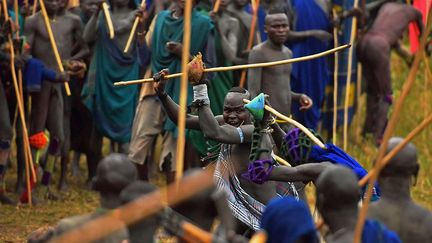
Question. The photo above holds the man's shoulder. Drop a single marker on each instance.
(34, 18)
(72, 16)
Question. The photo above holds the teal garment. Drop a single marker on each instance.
(113, 108)
(20, 20)
(168, 29)
(218, 88)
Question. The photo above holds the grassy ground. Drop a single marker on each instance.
(17, 222)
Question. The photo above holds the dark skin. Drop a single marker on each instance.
(234, 115)
(396, 205)
(275, 80)
(122, 17)
(67, 31)
(337, 196)
(228, 28)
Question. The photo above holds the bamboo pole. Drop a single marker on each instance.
(245, 66)
(108, 19)
(280, 160)
(53, 42)
(139, 209)
(390, 128)
(181, 122)
(359, 101)
(335, 82)
(16, 17)
(348, 79)
(20, 105)
(133, 30)
(251, 36)
(293, 122)
(216, 6)
(398, 148)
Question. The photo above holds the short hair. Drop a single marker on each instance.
(278, 9)
(240, 90)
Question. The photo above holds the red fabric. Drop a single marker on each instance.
(24, 195)
(38, 140)
(423, 6)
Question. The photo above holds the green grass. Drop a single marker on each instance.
(17, 222)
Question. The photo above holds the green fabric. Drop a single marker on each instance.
(168, 29)
(219, 87)
(113, 108)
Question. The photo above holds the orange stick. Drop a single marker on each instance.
(137, 210)
(251, 38)
(133, 30)
(389, 130)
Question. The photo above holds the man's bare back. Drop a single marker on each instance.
(393, 20)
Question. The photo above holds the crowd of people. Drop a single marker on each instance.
(243, 143)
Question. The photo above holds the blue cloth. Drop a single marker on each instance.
(309, 77)
(287, 220)
(336, 155)
(375, 232)
(35, 73)
(261, 20)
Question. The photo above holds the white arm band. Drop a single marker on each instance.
(200, 93)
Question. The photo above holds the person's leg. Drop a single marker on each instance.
(168, 157)
(55, 127)
(5, 142)
(147, 125)
(65, 159)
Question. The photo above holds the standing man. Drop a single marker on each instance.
(374, 54)
(47, 109)
(275, 80)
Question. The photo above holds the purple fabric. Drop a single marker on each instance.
(46, 178)
(257, 171)
(292, 141)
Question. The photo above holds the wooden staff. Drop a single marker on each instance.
(245, 66)
(108, 19)
(398, 148)
(181, 122)
(133, 30)
(139, 209)
(16, 17)
(20, 106)
(293, 122)
(348, 79)
(280, 160)
(251, 36)
(359, 103)
(53, 43)
(105, 9)
(390, 128)
(335, 81)
(216, 6)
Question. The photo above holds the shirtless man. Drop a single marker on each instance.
(234, 131)
(396, 208)
(374, 53)
(275, 80)
(337, 195)
(47, 107)
(237, 10)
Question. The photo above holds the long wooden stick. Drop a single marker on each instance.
(245, 66)
(251, 36)
(390, 128)
(335, 82)
(34, 7)
(139, 209)
(216, 6)
(181, 123)
(348, 79)
(293, 122)
(399, 147)
(133, 30)
(53, 43)
(108, 19)
(16, 16)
